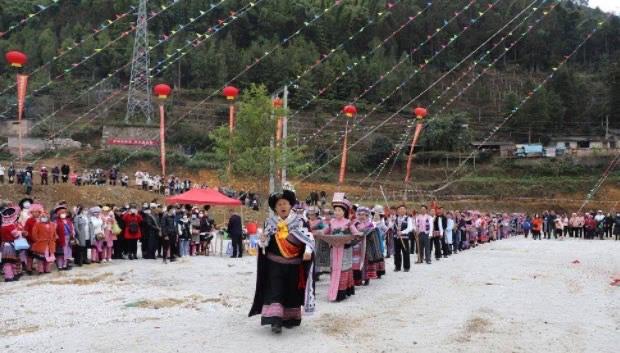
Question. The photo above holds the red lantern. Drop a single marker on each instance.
(162, 91)
(16, 58)
(420, 112)
(350, 111)
(252, 228)
(230, 92)
(278, 103)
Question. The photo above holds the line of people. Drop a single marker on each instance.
(351, 243)
(588, 225)
(35, 241)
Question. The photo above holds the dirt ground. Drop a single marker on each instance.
(514, 295)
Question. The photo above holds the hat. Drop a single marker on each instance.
(23, 201)
(379, 209)
(60, 208)
(362, 209)
(313, 210)
(341, 201)
(94, 210)
(106, 208)
(10, 214)
(36, 208)
(287, 195)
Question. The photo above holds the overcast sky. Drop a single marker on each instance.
(606, 5)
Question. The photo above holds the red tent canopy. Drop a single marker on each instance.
(203, 197)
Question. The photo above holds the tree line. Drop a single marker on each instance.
(584, 94)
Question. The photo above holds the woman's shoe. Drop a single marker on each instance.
(276, 328)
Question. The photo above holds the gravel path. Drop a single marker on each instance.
(514, 295)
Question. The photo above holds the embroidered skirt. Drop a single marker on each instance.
(283, 297)
(9, 255)
(323, 258)
(346, 286)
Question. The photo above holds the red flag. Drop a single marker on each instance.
(416, 135)
(343, 161)
(22, 83)
(162, 139)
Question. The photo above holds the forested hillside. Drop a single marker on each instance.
(368, 40)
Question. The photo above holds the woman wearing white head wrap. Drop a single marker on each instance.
(99, 233)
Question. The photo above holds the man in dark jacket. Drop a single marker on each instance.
(169, 234)
(55, 175)
(65, 170)
(235, 232)
(445, 249)
(150, 233)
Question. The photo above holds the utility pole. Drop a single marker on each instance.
(139, 97)
(272, 183)
(284, 132)
(606, 127)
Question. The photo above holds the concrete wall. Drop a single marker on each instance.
(11, 127)
(32, 145)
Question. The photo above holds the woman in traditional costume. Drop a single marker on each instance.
(35, 212)
(65, 234)
(98, 224)
(342, 231)
(43, 243)
(505, 226)
(284, 277)
(109, 223)
(363, 269)
(9, 232)
(382, 228)
(322, 258)
(24, 215)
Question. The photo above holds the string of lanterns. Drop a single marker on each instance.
(385, 121)
(524, 100)
(422, 66)
(77, 44)
(29, 17)
(400, 145)
(106, 102)
(247, 68)
(612, 164)
(453, 38)
(74, 66)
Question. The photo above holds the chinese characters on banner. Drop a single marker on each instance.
(132, 142)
